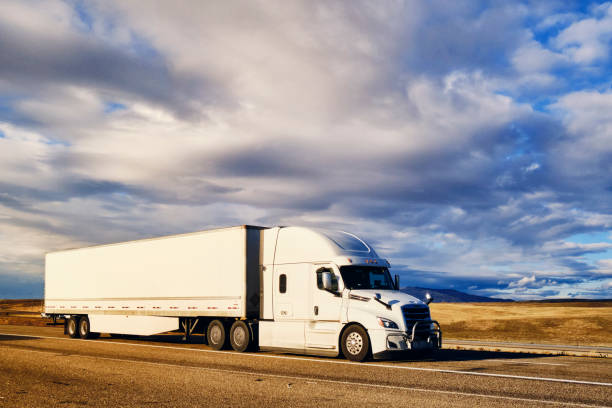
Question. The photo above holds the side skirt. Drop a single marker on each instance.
(308, 351)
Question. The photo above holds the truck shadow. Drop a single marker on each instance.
(464, 355)
(172, 338)
(444, 355)
(10, 337)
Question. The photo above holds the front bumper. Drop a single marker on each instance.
(386, 343)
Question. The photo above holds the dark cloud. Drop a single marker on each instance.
(87, 187)
(278, 160)
(35, 60)
(442, 280)
(464, 35)
(20, 286)
(549, 293)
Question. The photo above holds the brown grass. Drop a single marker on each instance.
(579, 323)
(23, 312)
(21, 305)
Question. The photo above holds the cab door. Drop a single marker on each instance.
(290, 305)
(325, 320)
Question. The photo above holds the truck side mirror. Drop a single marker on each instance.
(428, 298)
(397, 287)
(329, 282)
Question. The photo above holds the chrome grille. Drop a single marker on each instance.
(415, 312)
(412, 314)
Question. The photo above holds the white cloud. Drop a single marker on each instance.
(558, 19)
(588, 40)
(531, 167)
(585, 153)
(523, 282)
(532, 58)
(605, 267)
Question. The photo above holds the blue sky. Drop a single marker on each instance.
(469, 142)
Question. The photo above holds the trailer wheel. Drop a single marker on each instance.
(215, 334)
(72, 327)
(355, 343)
(240, 336)
(84, 331)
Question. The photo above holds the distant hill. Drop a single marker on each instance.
(448, 295)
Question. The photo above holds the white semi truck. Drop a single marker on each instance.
(289, 289)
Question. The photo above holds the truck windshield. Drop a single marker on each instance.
(366, 277)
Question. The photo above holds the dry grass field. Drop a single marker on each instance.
(21, 305)
(21, 312)
(569, 323)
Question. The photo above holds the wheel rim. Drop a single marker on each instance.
(215, 334)
(354, 343)
(83, 327)
(71, 326)
(239, 336)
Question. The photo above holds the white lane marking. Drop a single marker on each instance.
(315, 380)
(315, 360)
(525, 362)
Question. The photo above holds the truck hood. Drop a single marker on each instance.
(391, 297)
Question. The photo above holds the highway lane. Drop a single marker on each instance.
(40, 366)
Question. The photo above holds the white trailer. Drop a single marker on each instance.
(287, 289)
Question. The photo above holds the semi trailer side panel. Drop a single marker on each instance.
(208, 273)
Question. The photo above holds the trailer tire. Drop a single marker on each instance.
(355, 343)
(240, 336)
(216, 335)
(72, 327)
(84, 328)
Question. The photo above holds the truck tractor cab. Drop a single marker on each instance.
(332, 294)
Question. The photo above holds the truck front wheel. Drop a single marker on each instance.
(215, 334)
(355, 343)
(72, 327)
(240, 336)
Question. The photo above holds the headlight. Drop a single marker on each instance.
(386, 323)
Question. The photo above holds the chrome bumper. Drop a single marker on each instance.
(409, 340)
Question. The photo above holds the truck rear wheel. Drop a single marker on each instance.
(215, 334)
(72, 327)
(355, 343)
(240, 336)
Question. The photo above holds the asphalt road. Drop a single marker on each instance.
(39, 366)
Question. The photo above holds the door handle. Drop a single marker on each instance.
(316, 310)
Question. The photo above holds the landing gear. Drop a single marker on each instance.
(189, 324)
